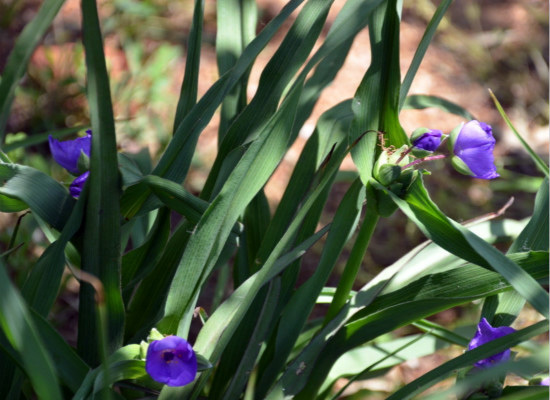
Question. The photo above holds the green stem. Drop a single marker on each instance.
(354, 261)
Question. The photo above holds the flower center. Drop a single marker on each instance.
(168, 356)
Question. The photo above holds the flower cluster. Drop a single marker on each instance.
(486, 333)
(472, 145)
(73, 155)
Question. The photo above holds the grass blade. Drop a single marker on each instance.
(420, 102)
(45, 197)
(190, 84)
(460, 241)
(371, 314)
(101, 255)
(375, 104)
(42, 138)
(467, 359)
(541, 165)
(274, 80)
(504, 308)
(421, 50)
(236, 29)
(16, 323)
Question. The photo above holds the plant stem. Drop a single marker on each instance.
(354, 261)
(421, 160)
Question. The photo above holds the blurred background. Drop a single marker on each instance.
(481, 44)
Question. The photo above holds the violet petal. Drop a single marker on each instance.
(66, 153)
(486, 333)
(474, 145)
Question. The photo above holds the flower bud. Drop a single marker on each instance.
(425, 141)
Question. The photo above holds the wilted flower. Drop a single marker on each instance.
(68, 154)
(426, 139)
(473, 146)
(171, 361)
(485, 333)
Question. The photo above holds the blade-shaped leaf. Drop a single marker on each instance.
(460, 241)
(46, 197)
(420, 102)
(375, 104)
(16, 323)
(541, 165)
(421, 49)
(101, 254)
(468, 359)
(190, 84)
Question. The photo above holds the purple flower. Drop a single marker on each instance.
(545, 382)
(171, 361)
(473, 147)
(426, 139)
(485, 333)
(78, 184)
(68, 152)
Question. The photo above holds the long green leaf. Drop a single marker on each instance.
(421, 49)
(140, 261)
(468, 359)
(16, 323)
(18, 60)
(101, 255)
(370, 314)
(41, 286)
(175, 162)
(504, 308)
(237, 21)
(190, 84)
(177, 157)
(375, 104)
(42, 137)
(220, 326)
(420, 102)
(145, 307)
(45, 197)
(524, 366)
(212, 231)
(458, 240)
(69, 366)
(541, 165)
(300, 305)
(331, 129)
(275, 77)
